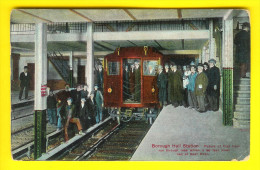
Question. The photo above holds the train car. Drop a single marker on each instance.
(130, 79)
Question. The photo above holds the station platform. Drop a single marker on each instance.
(182, 134)
(15, 97)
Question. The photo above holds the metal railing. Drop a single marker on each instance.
(119, 26)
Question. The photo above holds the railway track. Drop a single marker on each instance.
(115, 142)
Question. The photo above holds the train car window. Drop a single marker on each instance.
(150, 67)
(113, 68)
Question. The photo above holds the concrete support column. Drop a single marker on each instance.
(40, 101)
(203, 55)
(89, 69)
(71, 79)
(211, 41)
(75, 69)
(227, 71)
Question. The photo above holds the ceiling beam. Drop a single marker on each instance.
(119, 36)
(107, 48)
(129, 14)
(229, 15)
(179, 13)
(132, 42)
(130, 27)
(81, 15)
(193, 26)
(158, 44)
(104, 53)
(35, 16)
(110, 27)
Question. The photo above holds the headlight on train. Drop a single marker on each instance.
(153, 90)
(109, 90)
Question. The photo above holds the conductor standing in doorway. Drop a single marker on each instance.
(25, 83)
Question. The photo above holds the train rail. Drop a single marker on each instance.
(117, 142)
(64, 148)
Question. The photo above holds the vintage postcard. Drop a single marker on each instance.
(130, 84)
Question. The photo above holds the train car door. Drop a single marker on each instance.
(150, 90)
(112, 82)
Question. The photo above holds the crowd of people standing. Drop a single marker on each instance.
(196, 87)
(75, 106)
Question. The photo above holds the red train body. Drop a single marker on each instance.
(113, 77)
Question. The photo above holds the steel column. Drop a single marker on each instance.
(40, 104)
(89, 69)
(71, 69)
(227, 72)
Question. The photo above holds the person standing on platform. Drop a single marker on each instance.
(60, 114)
(76, 96)
(84, 115)
(242, 55)
(99, 102)
(176, 89)
(201, 84)
(166, 69)
(70, 113)
(206, 71)
(84, 92)
(100, 77)
(24, 83)
(92, 107)
(214, 85)
(193, 104)
(51, 108)
(186, 74)
(137, 73)
(161, 84)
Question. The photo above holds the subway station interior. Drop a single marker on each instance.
(63, 48)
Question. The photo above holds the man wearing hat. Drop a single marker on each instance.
(161, 84)
(186, 74)
(100, 77)
(98, 97)
(25, 83)
(201, 84)
(192, 100)
(167, 70)
(213, 90)
(84, 115)
(91, 104)
(176, 86)
(71, 113)
(242, 42)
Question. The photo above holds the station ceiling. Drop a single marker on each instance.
(108, 15)
(103, 15)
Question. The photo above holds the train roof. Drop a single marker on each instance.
(140, 51)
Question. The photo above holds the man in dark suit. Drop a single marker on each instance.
(25, 83)
(242, 42)
(100, 77)
(98, 98)
(92, 108)
(84, 115)
(161, 83)
(214, 85)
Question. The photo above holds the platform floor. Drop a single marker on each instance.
(211, 140)
(15, 97)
